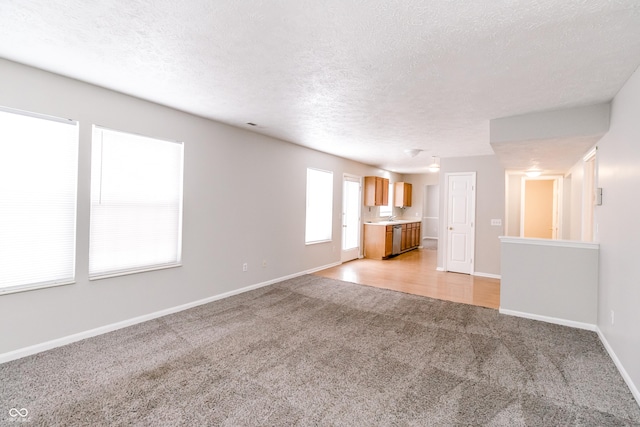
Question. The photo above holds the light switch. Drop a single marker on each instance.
(497, 222)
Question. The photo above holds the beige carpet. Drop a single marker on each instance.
(316, 351)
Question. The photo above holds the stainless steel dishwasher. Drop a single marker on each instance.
(397, 239)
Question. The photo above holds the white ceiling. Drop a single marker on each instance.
(363, 79)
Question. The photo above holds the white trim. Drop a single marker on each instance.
(590, 154)
(616, 361)
(440, 269)
(548, 319)
(39, 115)
(34, 287)
(507, 176)
(549, 242)
(488, 275)
(358, 179)
(58, 342)
(108, 275)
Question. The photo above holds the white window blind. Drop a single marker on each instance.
(136, 203)
(38, 185)
(319, 206)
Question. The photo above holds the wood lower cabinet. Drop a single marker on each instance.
(388, 241)
(376, 191)
(378, 239)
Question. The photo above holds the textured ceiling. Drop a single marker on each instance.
(363, 79)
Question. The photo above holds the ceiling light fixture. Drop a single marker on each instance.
(412, 152)
(533, 173)
(435, 165)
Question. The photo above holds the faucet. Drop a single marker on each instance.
(392, 217)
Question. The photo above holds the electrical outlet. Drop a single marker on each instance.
(264, 263)
(245, 267)
(612, 317)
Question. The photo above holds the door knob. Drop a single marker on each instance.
(450, 228)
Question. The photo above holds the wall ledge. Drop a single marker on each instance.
(549, 242)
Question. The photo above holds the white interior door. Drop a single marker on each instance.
(351, 202)
(461, 197)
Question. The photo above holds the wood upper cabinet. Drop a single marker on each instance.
(376, 191)
(402, 194)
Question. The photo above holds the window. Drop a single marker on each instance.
(319, 206)
(136, 203)
(38, 187)
(388, 209)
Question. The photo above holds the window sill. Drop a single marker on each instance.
(34, 287)
(317, 242)
(136, 271)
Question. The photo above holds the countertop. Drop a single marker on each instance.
(393, 222)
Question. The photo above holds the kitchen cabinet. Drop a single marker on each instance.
(410, 236)
(388, 241)
(378, 238)
(378, 241)
(403, 244)
(402, 194)
(376, 191)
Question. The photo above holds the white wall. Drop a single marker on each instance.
(244, 201)
(619, 228)
(540, 277)
(418, 182)
(490, 204)
(514, 203)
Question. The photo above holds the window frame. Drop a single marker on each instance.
(103, 274)
(73, 188)
(329, 209)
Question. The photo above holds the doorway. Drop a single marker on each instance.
(430, 219)
(460, 219)
(351, 202)
(540, 208)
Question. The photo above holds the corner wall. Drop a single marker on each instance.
(619, 228)
(244, 201)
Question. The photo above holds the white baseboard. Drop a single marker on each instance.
(488, 275)
(439, 269)
(616, 361)
(58, 342)
(548, 319)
